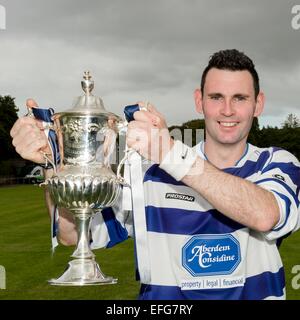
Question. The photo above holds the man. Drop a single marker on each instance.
(215, 213)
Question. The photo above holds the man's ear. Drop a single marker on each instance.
(260, 103)
(198, 100)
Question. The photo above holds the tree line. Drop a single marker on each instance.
(287, 137)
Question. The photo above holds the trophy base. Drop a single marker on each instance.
(83, 272)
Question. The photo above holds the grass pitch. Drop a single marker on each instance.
(25, 252)
(26, 255)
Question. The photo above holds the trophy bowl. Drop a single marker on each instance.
(84, 182)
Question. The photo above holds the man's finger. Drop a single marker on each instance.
(153, 110)
(156, 118)
(145, 116)
(133, 143)
(31, 103)
(25, 122)
(28, 134)
(150, 108)
(32, 150)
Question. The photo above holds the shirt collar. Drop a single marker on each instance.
(202, 154)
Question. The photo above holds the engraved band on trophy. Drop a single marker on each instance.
(85, 182)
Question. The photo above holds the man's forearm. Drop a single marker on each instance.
(237, 198)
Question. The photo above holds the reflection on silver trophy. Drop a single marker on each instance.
(84, 182)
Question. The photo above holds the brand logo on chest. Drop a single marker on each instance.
(179, 196)
(211, 254)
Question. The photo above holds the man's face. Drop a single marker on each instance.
(229, 105)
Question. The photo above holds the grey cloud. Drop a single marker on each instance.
(153, 49)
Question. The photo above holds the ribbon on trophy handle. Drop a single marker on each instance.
(45, 115)
(133, 199)
(128, 114)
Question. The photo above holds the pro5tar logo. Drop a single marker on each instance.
(296, 18)
(296, 279)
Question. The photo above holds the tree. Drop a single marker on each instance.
(8, 116)
(287, 137)
(190, 131)
(291, 122)
(254, 134)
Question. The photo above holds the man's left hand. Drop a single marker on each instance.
(148, 134)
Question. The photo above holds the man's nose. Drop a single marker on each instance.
(227, 108)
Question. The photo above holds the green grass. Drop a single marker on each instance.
(290, 254)
(26, 255)
(25, 252)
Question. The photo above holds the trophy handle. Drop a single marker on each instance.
(128, 114)
(121, 179)
(46, 126)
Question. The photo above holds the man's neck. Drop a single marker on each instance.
(224, 155)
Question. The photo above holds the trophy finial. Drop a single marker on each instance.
(87, 84)
(87, 75)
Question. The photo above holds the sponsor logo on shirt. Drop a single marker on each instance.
(211, 255)
(179, 196)
(278, 176)
(217, 282)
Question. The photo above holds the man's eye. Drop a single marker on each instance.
(215, 97)
(240, 98)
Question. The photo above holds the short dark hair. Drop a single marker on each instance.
(233, 60)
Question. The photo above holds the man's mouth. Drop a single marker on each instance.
(228, 124)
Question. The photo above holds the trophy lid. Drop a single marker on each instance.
(87, 104)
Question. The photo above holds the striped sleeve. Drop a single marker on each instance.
(110, 226)
(281, 176)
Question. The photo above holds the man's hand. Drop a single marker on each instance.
(29, 138)
(148, 134)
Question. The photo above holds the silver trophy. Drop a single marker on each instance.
(85, 182)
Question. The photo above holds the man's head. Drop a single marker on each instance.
(232, 60)
(229, 97)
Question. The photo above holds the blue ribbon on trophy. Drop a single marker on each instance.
(45, 115)
(134, 173)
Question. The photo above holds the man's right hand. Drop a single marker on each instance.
(29, 138)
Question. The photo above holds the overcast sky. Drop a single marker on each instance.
(151, 50)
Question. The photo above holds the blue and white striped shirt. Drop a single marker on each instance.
(197, 252)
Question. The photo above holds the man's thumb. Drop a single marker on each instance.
(30, 103)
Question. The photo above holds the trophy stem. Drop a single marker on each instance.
(83, 270)
(82, 220)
